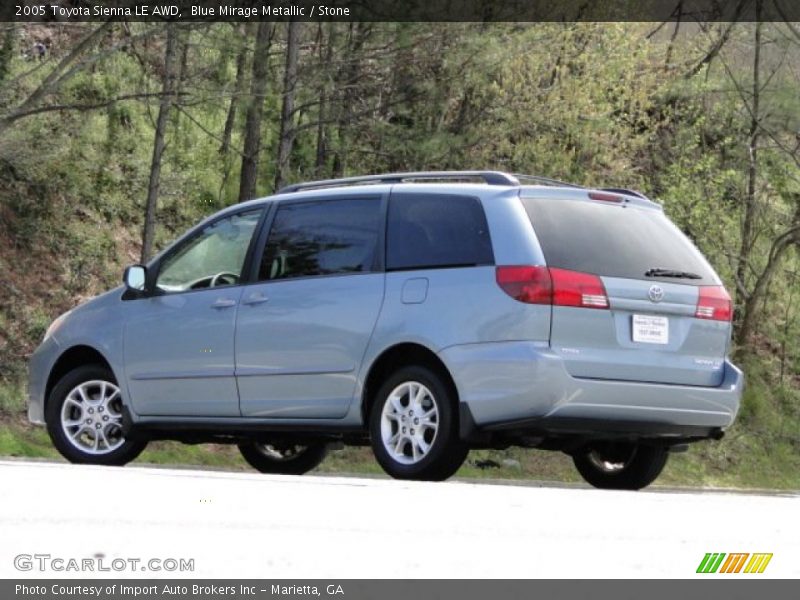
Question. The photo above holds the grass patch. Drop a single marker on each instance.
(736, 462)
(12, 398)
(756, 453)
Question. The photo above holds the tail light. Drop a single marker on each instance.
(714, 303)
(571, 288)
(559, 287)
(526, 284)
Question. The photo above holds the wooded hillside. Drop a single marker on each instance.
(115, 137)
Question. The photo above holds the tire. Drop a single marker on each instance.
(284, 457)
(434, 451)
(621, 466)
(84, 419)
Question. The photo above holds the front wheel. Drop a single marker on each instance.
(414, 426)
(284, 457)
(84, 418)
(621, 466)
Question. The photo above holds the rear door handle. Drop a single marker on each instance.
(223, 303)
(257, 298)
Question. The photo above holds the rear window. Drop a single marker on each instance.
(613, 240)
(427, 231)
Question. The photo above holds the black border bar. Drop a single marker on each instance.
(65, 11)
(702, 587)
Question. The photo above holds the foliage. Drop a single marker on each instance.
(604, 104)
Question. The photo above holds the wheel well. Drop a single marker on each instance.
(77, 356)
(394, 358)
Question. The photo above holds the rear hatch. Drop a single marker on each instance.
(633, 299)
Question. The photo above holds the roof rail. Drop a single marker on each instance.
(489, 177)
(537, 180)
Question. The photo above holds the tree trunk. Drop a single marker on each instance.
(788, 320)
(351, 67)
(322, 115)
(286, 137)
(233, 107)
(255, 109)
(748, 224)
(168, 88)
(7, 49)
(678, 13)
(779, 247)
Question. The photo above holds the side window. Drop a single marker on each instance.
(322, 238)
(428, 231)
(213, 257)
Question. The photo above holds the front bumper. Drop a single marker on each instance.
(39, 367)
(508, 382)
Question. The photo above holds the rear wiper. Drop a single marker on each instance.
(671, 273)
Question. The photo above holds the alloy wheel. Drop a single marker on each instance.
(409, 422)
(91, 417)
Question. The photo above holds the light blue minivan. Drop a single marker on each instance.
(422, 313)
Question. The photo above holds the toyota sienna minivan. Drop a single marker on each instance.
(424, 314)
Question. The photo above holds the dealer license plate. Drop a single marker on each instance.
(650, 329)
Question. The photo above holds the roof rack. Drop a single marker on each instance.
(537, 180)
(488, 177)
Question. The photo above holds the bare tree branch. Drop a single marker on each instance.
(56, 76)
(91, 106)
(723, 39)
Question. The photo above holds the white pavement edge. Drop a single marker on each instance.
(250, 525)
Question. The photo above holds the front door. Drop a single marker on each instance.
(178, 343)
(302, 330)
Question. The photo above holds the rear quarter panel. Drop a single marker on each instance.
(450, 307)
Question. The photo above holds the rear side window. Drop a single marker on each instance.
(322, 238)
(613, 240)
(428, 231)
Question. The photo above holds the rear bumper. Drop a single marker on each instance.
(524, 384)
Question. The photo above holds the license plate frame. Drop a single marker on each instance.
(650, 329)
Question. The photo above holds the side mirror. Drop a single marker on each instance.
(135, 278)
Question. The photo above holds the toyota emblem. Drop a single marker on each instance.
(656, 293)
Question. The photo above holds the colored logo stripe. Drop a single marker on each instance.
(733, 564)
(710, 562)
(758, 563)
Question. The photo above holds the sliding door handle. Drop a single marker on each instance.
(223, 303)
(256, 298)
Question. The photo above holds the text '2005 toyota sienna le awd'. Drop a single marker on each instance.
(422, 313)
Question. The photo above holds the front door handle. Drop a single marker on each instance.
(223, 303)
(257, 298)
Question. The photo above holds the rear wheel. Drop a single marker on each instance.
(284, 457)
(84, 418)
(414, 426)
(621, 466)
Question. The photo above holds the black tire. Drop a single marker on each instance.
(295, 458)
(446, 451)
(126, 451)
(635, 466)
